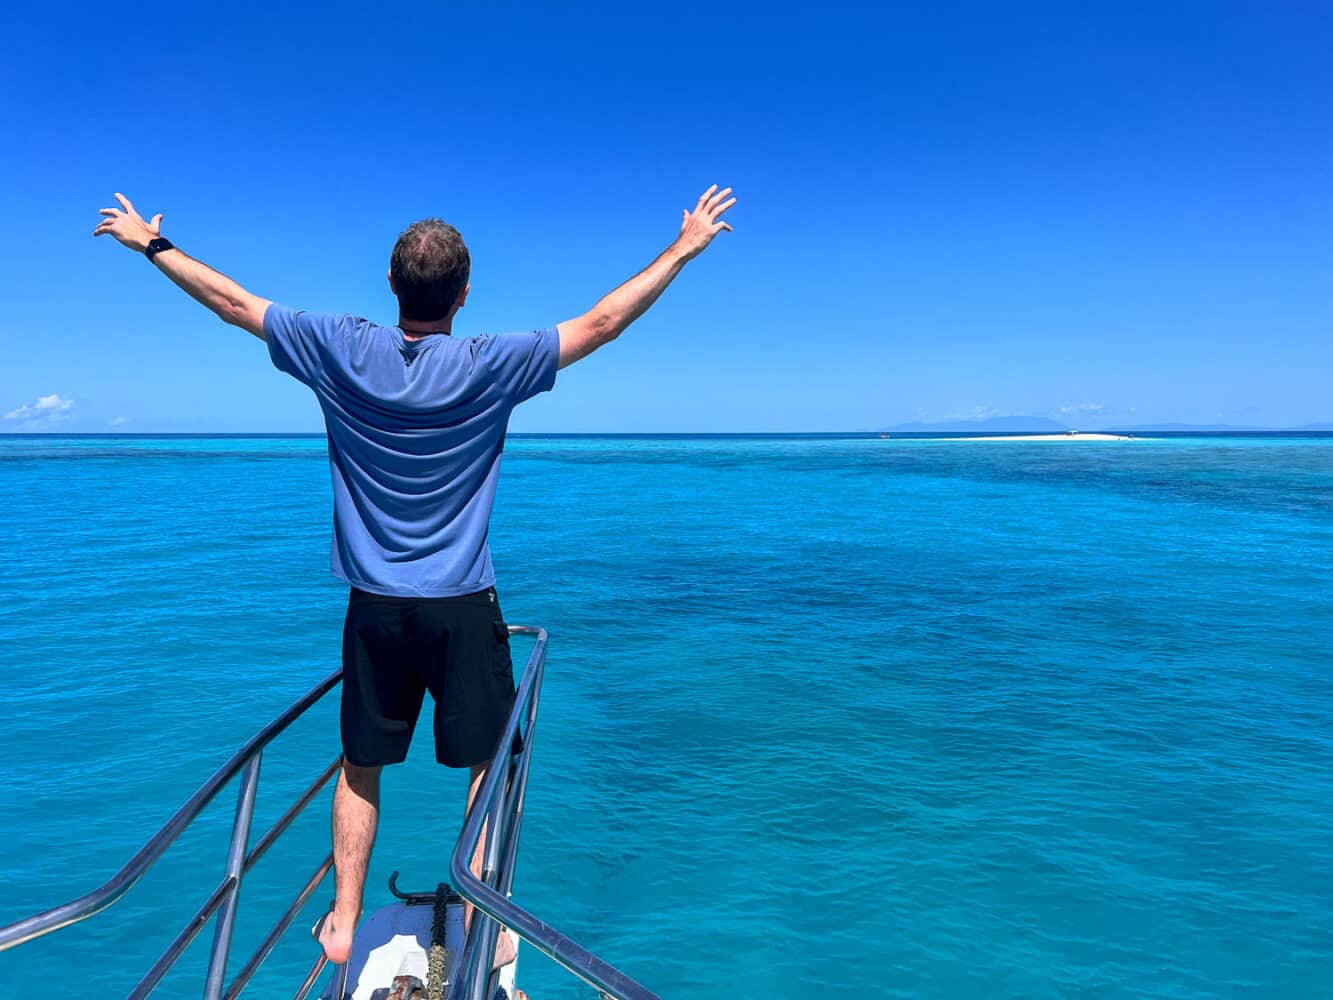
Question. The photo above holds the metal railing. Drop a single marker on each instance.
(223, 899)
(497, 814)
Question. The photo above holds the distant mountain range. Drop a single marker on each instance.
(1022, 424)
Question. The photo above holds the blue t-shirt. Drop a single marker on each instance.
(415, 430)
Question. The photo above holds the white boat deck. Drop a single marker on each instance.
(395, 940)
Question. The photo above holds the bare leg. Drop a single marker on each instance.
(504, 946)
(356, 811)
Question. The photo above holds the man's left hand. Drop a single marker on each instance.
(127, 225)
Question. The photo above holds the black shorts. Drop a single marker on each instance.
(395, 649)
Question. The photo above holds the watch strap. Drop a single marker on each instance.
(156, 246)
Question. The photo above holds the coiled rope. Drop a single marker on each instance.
(437, 960)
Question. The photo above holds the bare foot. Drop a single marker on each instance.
(335, 936)
(505, 952)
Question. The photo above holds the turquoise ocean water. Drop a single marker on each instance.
(823, 715)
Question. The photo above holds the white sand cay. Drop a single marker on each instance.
(1072, 436)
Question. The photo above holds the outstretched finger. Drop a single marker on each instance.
(125, 203)
(712, 202)
(719, 209)
(703, 198)
(113, 212)
(721, 226)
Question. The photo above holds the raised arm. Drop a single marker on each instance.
(232, 303)
(605, 321)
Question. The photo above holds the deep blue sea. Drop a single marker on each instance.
(823, 716)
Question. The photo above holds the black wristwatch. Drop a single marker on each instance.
(156, 246)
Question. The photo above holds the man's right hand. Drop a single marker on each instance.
(698, 228)
(605, 321)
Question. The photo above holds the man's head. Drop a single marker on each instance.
(429, 270)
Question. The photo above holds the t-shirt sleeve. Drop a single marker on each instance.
(298, 341)
(523, 364)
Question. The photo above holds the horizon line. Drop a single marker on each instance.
(1143, 429)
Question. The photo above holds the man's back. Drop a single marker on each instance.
(416, 430)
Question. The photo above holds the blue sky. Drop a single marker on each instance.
(1118, 213)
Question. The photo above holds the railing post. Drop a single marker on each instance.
(497, 823)
(479, 975)
(339, 983)
(240, 842)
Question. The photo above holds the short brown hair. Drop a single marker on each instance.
(430, 266)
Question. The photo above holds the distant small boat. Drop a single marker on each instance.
(884, 437)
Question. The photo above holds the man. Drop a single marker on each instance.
(416, 422)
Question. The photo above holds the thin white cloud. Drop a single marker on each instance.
(1074, 408)
(118, 421)
(46, 409)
